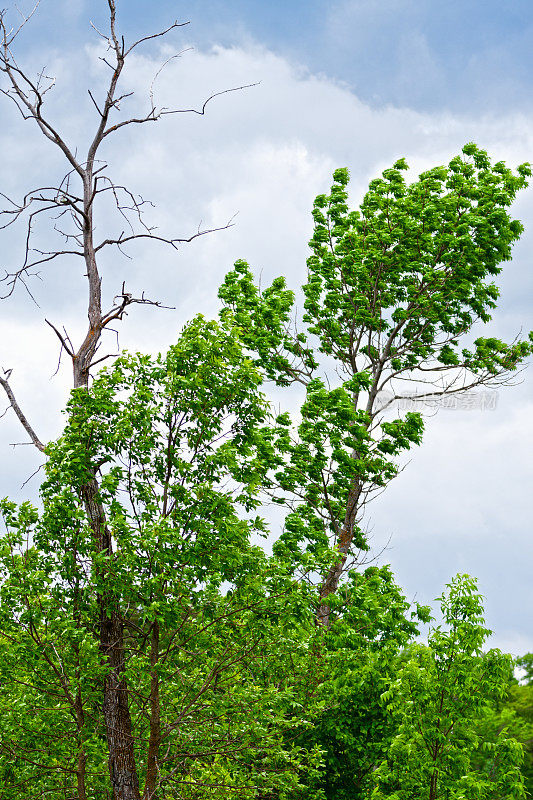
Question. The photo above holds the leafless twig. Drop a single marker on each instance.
(22, 418)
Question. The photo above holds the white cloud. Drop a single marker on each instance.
(266, 152)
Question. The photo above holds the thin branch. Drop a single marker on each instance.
(25, 20)
(160, 70)
(13, 277)
(154, 115)
(94, 102)
(39, 468)
(62, 339)
(201, 112)
(175, 24)
(173, 242)
(22, 417)
(119, 309)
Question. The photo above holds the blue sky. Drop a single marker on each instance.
(354, 84)
(463, 55)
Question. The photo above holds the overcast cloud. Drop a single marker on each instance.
(464, 502)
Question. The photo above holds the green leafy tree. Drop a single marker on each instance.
(520, 703)
(394, 290)
(439, 698)
(213, 632)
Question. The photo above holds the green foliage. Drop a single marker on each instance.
(360, 656)
(393, 291)
(439, 698)
(416, 257)
(215, 633)
(520, 704)
(513, 714)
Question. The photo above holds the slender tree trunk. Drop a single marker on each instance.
(119, 731)
(117, 718)
(346, 536)
(155, 719)
(80, 776)
(122, 766)
(331, 581)
(433, 786)
(82, 755)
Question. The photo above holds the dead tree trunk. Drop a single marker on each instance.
(119, 731)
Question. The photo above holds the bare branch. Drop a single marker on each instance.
(174, 25)
(173, 242)
(201, 111)
(104, 358)
(154, 115)
(94, 102)
(12, 278)
(160, 70)
(99, 32)
(13, 35)
(18, 79)
(33, 474)
(62, 339)
(119, 309)
(18, 411)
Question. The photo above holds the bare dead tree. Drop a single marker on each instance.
(70, 205)
(72, 201)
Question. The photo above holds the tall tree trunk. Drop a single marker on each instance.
(82, 755)
(115, 706)
(119, 731)
(155, 719)
(433, 786)
(119, 734)
(28, 96)
(331, 581)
